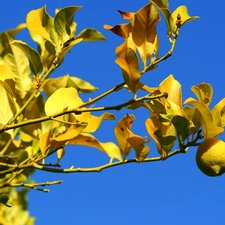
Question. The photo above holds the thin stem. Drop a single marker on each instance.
(33, 186)
(80, 110)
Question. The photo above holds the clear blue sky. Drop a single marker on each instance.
(172, 192)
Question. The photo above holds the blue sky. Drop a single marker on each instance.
(171, 192)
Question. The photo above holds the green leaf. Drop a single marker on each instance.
(163, 6)
(36, 65)
(40, 22)
(4, 199)
(66, 48)
(167, 142)
(204, 92)
(64, 24)
(209, 128)
(182, 127)
(91, 35)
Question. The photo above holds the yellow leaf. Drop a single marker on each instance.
(218, 113)
(62, 99)
(184, 16)
(173, 88)
(129, 65)
(95, 121)
(204, 92)
(40, 22)
(109, 148)
(153, 125)
(60, 154)
(209, 128)
(122, 133)
(144, 32)
(138, 144)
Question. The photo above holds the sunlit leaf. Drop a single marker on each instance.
(109, 148)
(72, 132)
(127, 15)
(173, 89)
(209, 128)
(163, 6)
(17, 61)
(91, 35)
(36, 65)
(204, 92)
(62, 99)
(64, 24)
(138, 144)
(95, 121)
(40, 22)
(129, 65)
(122, 132)
(218, 113)
(163, 135)
(122, 30)
(184, 16)
(60, 154)
(144, 32)
(82, 86)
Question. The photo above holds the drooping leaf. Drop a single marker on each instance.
(64, 24)
(36, 65)
(138, 144)
(144, 32)
(90, 35)
(122, 132)
(109, 148)
(182, 127)
(163, 135)
(62, 99)
(40, 22)
(184, 16)
(95, 121)
(209, 128)
(166, 141)
(218, 113)
(129, 65)
(204, 92)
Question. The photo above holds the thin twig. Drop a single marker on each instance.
(33, 186)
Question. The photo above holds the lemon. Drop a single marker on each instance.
(210, 157)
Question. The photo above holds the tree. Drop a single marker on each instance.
(33, 126)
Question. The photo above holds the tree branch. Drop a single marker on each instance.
(33, 186)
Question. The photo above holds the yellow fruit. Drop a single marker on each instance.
(210, 157)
